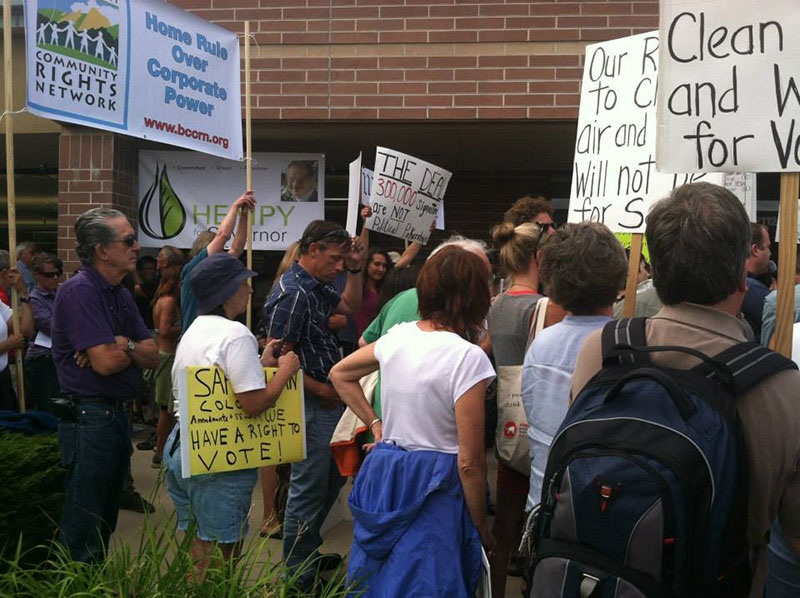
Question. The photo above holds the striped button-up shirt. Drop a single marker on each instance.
(297, 311)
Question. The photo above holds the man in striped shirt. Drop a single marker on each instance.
(296, 312)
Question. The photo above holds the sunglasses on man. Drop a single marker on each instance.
(338, 233)
(53, 274)
(129, 241)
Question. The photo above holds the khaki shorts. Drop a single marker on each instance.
(162, 381)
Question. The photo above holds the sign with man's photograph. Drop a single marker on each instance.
(182, 194)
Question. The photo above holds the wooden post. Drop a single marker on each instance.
(787, 258)
(629, 307)
(248, 161)
(12, 208)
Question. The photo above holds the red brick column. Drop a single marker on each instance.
(95, 169)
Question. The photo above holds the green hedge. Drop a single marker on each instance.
(31, 491)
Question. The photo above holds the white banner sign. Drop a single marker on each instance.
(353, 192)
(406, 195)
(139, 67)
(729, 98)
(614, 178)
(184, 193)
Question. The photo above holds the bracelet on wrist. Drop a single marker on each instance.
(373, 422)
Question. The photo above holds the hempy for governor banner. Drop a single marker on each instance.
(140, 67)
(184, 193)
(729, 97)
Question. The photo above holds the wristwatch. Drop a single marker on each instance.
(131, 345)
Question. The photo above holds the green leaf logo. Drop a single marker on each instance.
(161, 213)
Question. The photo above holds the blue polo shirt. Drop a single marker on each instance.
(90, 311)
(297, 310)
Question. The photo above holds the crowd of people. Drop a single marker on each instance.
(447, 343)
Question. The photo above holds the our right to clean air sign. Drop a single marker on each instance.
(729, 86)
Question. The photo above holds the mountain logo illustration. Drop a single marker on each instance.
(161, 213)
(87, 30)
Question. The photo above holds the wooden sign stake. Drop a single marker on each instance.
(787, 259)
(629, 307)
(248, 162)
(12, 207)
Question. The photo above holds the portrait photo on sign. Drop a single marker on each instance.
(299, 181)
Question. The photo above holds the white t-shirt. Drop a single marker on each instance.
(5, 316)
(423, 374)
(214, 340)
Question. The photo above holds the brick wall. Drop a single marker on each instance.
(96, 169)
(416, 59)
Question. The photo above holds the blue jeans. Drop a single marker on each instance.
(94, 449)
(313, 488)
(784, 567)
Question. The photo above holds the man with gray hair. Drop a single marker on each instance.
(25, 253)
(100, 346)
(700, 241)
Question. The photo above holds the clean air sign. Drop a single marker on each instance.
(143, 68)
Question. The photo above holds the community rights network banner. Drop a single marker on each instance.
(140, 67)
(614, 177)
(406, 195)
(217, 435)
(729, 98)
(184, 193)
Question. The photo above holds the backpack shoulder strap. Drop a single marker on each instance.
(621, 334)
(749, 363)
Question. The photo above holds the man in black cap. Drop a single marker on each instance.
(297, 312)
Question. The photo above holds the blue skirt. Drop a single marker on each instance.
(413, 535)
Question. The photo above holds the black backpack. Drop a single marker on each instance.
(645, 489)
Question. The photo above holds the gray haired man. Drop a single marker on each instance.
(100, 346)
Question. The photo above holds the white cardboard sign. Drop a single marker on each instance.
(729, 97)
(614, 176)
(406, 195)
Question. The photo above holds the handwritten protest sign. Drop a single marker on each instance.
(139, 67)
(217, 435)
(729, 98)
(406, 195)
(614, 178)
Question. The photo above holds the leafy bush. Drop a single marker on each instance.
(31, 492)
(160, 568)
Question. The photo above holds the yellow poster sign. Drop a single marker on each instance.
(220, 436)
(625, 239)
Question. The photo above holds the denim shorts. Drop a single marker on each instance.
(218, 503)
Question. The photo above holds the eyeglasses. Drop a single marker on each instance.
(338, 233)
(54, 274)
(546, 225)
(130, 240)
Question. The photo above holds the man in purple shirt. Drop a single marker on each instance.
(41, 381)
(100, 346)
